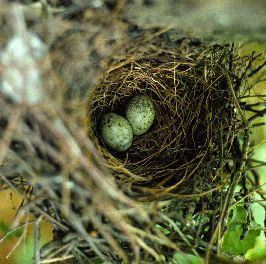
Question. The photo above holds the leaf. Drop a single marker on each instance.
(232, 242)
(25, 253)
(164, 230)
(259, 251)
(4, 228)
(239, 215)
(180, 258)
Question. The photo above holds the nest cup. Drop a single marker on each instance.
(188, 85)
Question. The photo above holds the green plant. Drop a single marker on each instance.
(235, 242)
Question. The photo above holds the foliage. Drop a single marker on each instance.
(233, 243)
(186, 259)
(259, 250)
(25, 253)
(5, 228)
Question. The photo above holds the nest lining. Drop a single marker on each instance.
(195, 115)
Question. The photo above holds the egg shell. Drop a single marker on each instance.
(140, 113)
(116, 132)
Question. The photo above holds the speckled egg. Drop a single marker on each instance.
(116, 132)
(140, 113)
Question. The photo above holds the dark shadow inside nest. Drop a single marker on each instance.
(194, 119)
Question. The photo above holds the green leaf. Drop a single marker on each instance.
(239, 215)
(25, 253)
(232, 242)
(5, 228)
(164, 230)
(259, 250)
(180, 258)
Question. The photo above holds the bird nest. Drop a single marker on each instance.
(191, 88)
(171, 190)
